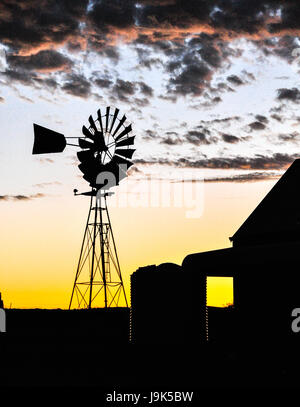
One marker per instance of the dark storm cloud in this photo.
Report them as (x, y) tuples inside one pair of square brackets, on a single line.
[(290, 17), (292, 94), (112, 13), (77, 85), (178, 13), (243, 16), (43, 60), (34, 29), (53, 22), (29, 24)]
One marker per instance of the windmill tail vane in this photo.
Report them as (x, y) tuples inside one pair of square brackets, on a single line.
[(104, 156)]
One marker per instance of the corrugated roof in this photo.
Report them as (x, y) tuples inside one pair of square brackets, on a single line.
[(277, 217)]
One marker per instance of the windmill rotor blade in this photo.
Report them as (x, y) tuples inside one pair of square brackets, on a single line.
[(47, 141), (114, 168), (85, 155), (93, 124), (119, 125), (87, 133), (129, 141), (107, 118), (124, 132), (90, 168), (87, 178), (100, 119), (100, 136), (125, 152), (117, 161), (85, 143), (114, 119)]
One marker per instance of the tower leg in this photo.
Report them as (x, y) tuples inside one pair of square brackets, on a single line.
[(98, 280)]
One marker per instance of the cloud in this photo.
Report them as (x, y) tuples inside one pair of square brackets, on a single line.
[(276, 161), (171, 141), (277, 117), (190, 79), (44, 160), (235, 80), (35, 31), (29, 25), (145, 89), (257, 126), (293, 137), (21, 197), (46, 184), (49, 60), (122, 89), (150, 134), (221, 120), (261, 118), (77, 85), (288, 94), (112, 13), (228, 138), (112, 53), (197, 138), (23, 77), (290, 18), (249, 177)]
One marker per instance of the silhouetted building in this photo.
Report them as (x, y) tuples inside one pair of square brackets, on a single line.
[(170, 304), (277, 218), (165, 306)]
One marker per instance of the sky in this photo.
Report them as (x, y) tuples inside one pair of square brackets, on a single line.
[(211, 88)]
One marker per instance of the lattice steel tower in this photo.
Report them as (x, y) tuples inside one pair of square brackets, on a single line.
[(98, 272)]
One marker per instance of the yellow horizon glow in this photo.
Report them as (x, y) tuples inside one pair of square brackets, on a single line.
[(41, 240)]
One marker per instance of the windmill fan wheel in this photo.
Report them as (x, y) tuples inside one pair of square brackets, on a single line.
[(105, 147)]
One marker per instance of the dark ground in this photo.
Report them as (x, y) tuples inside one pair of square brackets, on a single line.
[(91, 348)]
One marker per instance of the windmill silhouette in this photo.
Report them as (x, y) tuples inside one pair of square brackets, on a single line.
[(104, 157)]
